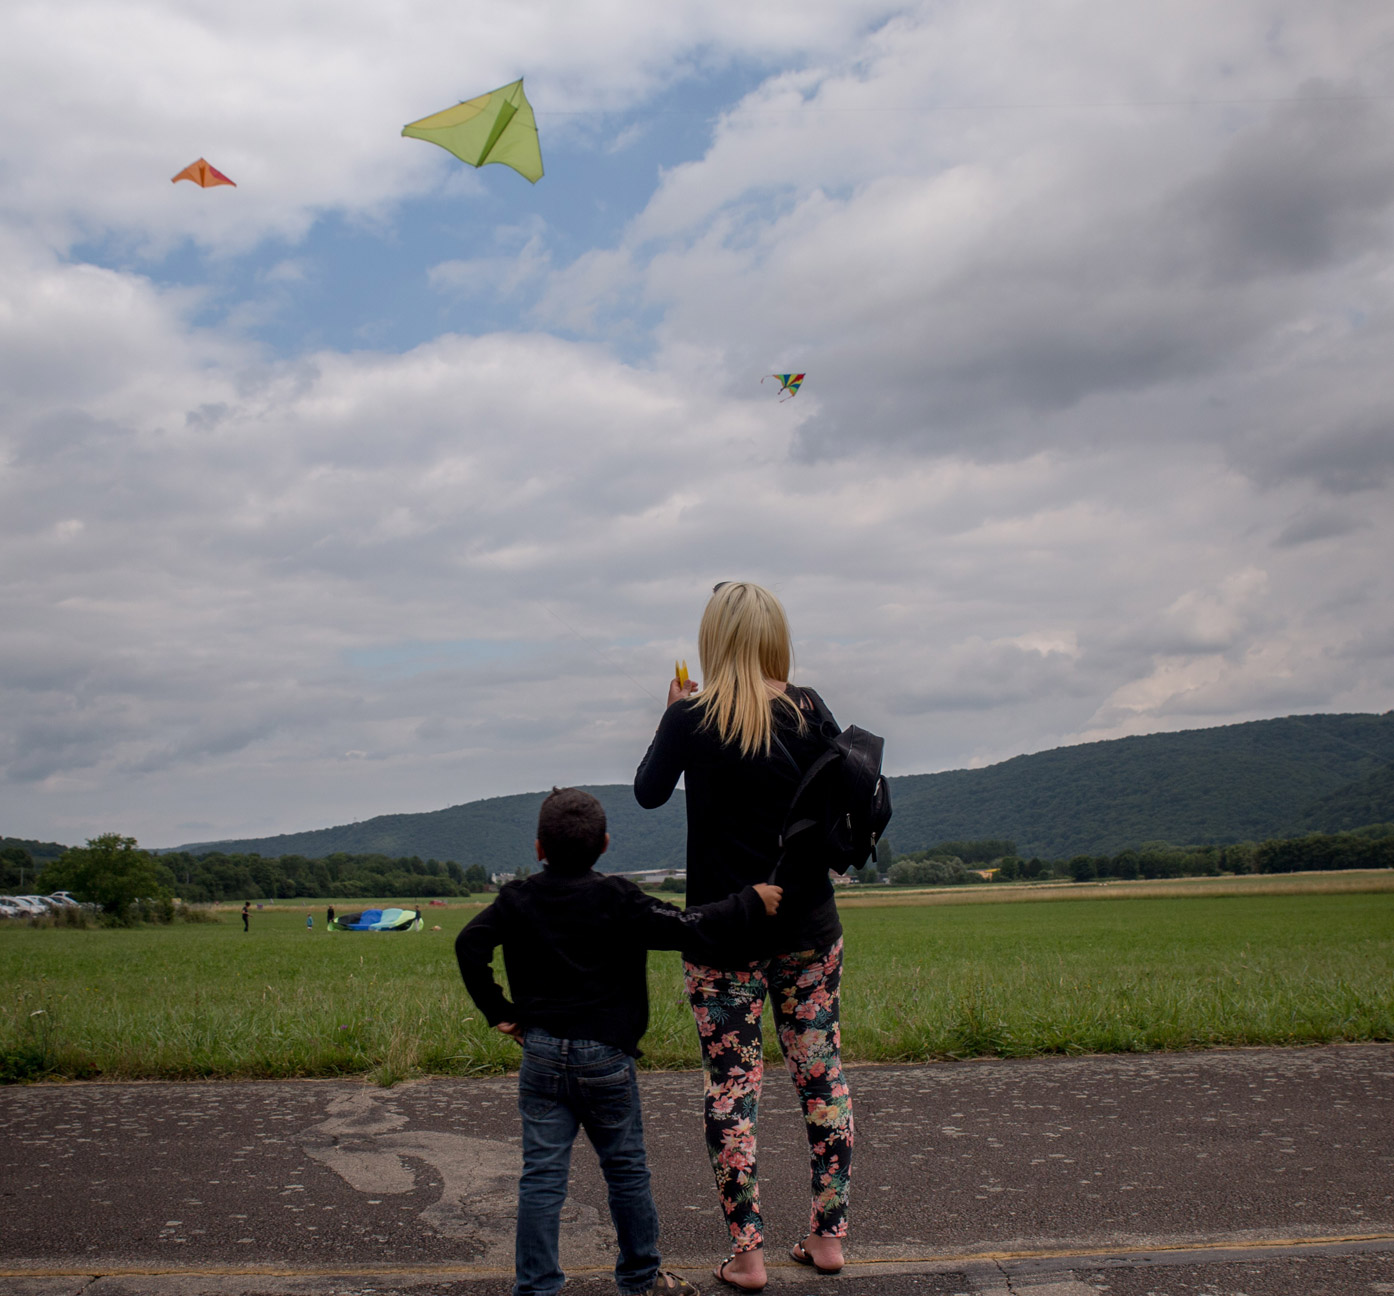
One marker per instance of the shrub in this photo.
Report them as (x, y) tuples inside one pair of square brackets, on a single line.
[(67, 916), (910, 870), (187, 913)]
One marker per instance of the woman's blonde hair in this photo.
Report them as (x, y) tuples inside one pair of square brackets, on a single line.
[(743, 641)]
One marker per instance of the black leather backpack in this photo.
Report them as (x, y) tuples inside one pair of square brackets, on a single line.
[(842, 804)]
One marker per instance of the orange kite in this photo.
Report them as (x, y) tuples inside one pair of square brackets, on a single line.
[(203, 175)]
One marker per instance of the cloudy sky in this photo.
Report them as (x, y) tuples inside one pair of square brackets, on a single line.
[(379, 484)]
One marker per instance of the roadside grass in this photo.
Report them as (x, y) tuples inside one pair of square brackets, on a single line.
[(1130, 971), (1123, 975)]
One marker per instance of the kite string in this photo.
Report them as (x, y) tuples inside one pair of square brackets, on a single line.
[(596, 650), (809, 109)]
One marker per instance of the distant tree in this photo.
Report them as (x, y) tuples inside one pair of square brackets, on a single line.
[(16, 868), (1009, 870), (1204, 861), (1239, 858), (111, 871), (885, 856), (674, 885), (1125, 864), (909, 872), (474, 877), (1083, 868), (1160, 860)]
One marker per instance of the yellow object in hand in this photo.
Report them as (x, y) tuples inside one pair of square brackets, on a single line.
[(680, 670)]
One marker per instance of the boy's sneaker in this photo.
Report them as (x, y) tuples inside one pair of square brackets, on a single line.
[(669, 1284)]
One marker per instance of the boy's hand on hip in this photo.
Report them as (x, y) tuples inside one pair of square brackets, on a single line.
[(771, 895), (511, 1029)]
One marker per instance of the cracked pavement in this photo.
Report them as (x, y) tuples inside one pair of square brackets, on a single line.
[(1228, 1173)]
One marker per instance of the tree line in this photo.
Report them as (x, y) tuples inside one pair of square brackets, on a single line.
[(1366, 848), (965, 862), (113, 872), (219, 876)]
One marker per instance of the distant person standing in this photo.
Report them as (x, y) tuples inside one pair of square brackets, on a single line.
[(310, 921), (246, 915), (329, 917)]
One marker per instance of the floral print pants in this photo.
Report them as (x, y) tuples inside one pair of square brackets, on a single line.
[(728, 1005)]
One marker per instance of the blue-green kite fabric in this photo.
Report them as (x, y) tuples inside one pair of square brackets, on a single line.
[(495, 127), (379, 920)]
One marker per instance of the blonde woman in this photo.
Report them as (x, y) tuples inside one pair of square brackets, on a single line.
[(742, 744)]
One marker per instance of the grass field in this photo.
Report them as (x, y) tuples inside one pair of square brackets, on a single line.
[(1349, 882), (1291, 960)]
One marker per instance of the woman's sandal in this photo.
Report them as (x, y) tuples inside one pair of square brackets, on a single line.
[(719, 1273), (799, 1256)]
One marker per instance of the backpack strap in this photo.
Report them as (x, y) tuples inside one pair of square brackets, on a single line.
[(821, 711), (825, 725), (787, 754), (802, 825)]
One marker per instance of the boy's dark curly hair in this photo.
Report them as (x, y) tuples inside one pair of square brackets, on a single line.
[(571, 828)]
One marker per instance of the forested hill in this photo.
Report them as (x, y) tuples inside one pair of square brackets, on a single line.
[(496, 833), (1244, 782), (1369, 800)]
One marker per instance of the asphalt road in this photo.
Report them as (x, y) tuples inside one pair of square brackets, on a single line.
[(1229, 1173)]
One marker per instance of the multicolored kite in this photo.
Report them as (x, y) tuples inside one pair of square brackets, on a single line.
[(379, 920), (496, 127), (787, 382), (203, 175)]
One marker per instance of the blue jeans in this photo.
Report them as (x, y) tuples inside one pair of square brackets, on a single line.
[(565, 1086)]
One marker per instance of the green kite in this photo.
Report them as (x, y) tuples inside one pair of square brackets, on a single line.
[(496, 127)]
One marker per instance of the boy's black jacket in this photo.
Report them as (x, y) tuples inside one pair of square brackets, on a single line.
[(575, 951)]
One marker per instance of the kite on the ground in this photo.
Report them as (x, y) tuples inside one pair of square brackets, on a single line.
[(203, 175), (379, 920), (787, 382), (496, 127)]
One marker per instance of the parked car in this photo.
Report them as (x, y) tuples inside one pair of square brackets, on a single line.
[(8, 910), (62, 900), (37, 904), (23, 907)]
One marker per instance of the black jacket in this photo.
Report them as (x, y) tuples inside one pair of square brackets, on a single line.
[(575, 950), (735, 809)]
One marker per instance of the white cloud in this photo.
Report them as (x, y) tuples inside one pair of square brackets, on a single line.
[(302, 104), (1094, 438), (522, 260)]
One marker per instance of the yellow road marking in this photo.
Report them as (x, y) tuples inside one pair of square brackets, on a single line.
[(466, 1272), (1161, 1248)]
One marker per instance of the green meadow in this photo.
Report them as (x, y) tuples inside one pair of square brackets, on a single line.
[(1107, 970)]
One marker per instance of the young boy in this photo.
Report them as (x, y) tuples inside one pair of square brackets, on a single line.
[(574, 946)]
